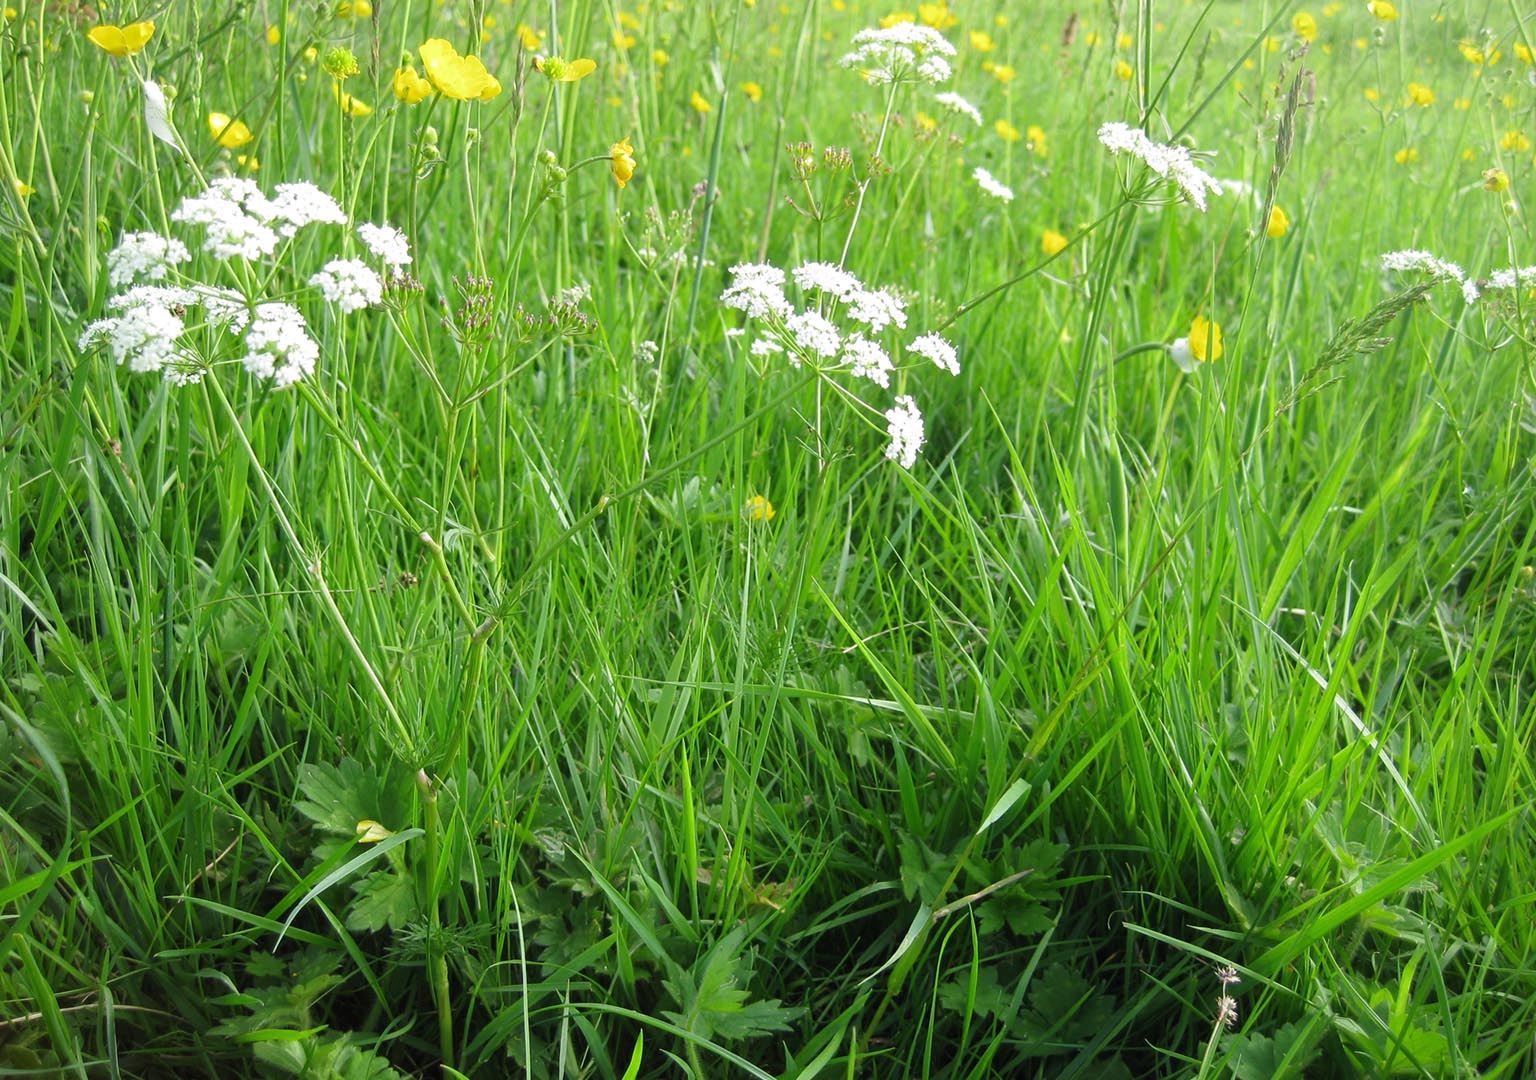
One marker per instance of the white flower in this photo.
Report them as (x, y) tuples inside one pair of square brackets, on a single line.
[(991, 185), (1511, 278), (350, 284), (941, 352), (233, 213), (157, 116), (1470, 292), (1182, 355), (827, 278), (1410, 261), (162, 296), (143, 337), (144, 255), (297, 205), (1172, 162), (224, 308), (814, 333), (278, 345), (905, 52), (957, 104), (904, 424), (387, 242), (867, 360), (877, 309), (768, 347), (758, 290)]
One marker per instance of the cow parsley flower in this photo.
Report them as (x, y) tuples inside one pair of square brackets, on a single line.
[(957, 104), (387, 242), (758, 290), (142, 338), (814, 333), (297, 205), (941, 352), (904, 424), (144, 255), (1170, 161), (1411, 261), (233, 213), (991, 185), (877, 309), (826, 278), (904, 52), (350, 284), (867, 360), (1513, 278), (278, 345)]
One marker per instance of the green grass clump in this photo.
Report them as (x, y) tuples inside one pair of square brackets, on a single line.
[(552, 683)]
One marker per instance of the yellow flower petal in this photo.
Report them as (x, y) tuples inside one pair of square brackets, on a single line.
[(1205, 339), (121, 40), (228, 132), (622, 156)]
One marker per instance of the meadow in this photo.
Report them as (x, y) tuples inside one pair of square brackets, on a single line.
[(768, 539)]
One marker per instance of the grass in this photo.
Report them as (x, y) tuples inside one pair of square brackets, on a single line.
[(982, 768)]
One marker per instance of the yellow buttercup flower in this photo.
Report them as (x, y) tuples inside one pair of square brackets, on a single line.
[(1004, 73), (122, 40), (937, 16), (982, 41), (621, 40), (1496, 180), (1205, 339), (462, 78), (228, 132), (529, 37), (1123, 71), (758, 508), (1419, 94), (1052, 242), (622, 160), (560, 70), (1382, 9), (752, 90), (1279, 223), (22, 188), (1034, 135), (1007, 131), (1305, 25), (699, 103), (1516, 142), (410, 87), (349, 104), (1407, 155)]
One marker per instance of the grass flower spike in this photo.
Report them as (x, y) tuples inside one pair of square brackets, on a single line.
[(124, 40)]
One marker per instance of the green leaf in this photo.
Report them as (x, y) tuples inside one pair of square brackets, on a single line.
[(384, 899)]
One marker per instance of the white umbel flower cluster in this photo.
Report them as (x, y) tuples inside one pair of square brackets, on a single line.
[(350, 284), (144, 256), (904, 424), (149, 328), (1170, 161), (239, 219), (905, 52), (278, 345), (1417, 261), (941, 352), (837, 332), (387, 242), (957, 104), (992, 185)]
